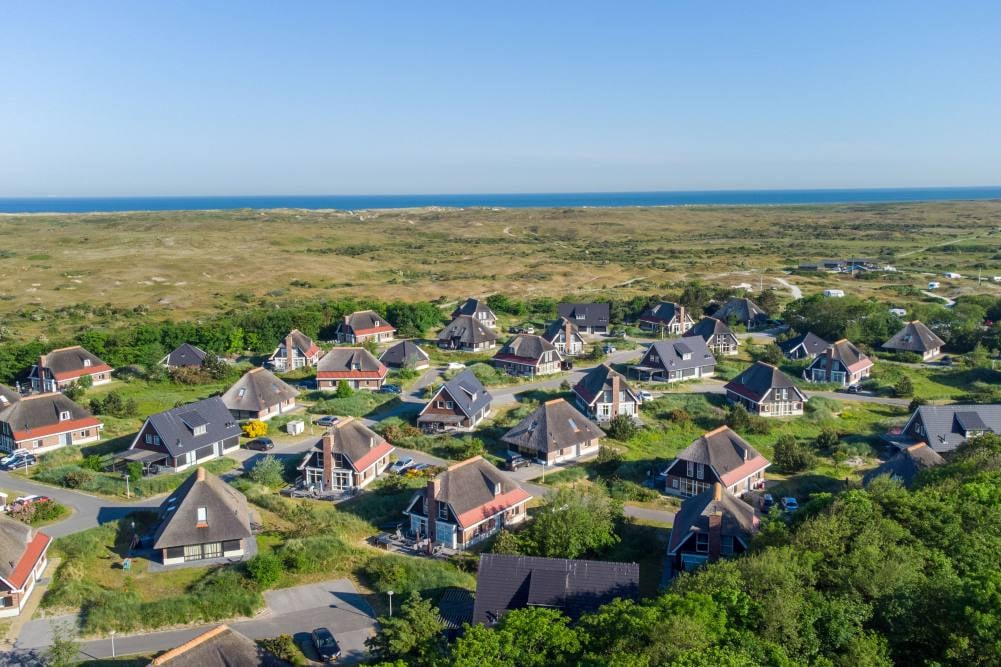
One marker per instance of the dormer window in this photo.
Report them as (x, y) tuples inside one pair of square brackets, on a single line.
[(242, 392), (198, 430), (203, 517), (580, 316), (686, 356), (86, 363), (64, 415), (355, 366), (377, 323), (497, 488)]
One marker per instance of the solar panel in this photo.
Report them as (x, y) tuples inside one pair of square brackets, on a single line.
[(193, 419)]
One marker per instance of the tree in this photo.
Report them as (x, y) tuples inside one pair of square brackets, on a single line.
[(64, 649), (265, 569), (904, 387), (772, 354), (695, 296), (621, 427), (768, 299), (915, 404), (268, 472), (531, 637), (737, 417), (344, 390), (506, 543), (413, 634), (371, 346), (827, 439), (790, 456), (572, 523), (254, 428)]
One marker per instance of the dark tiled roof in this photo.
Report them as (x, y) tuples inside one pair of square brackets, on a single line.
[(176, 426), (722, 449), (558, 325), (471, 306), (906, 464), (594, 314), (8, 396), (467, 391), (758, 378), (504, 583), (671, 354), (708, 327), (39, 411), (526, 346), (227, 517), (665, 311), (741, 310), (844, 351), (553, 425), (597, 380), (185, 354), (466, 330), (945, 425), (343, 359), (455, 607), (358, 442), (914, 337), (738, 518), (812, 343), (470, 484), (219, 647), (403, 354), (362, 321), (258, 389)]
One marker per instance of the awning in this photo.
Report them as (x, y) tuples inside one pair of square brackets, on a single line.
[(141, 455), (440, 419)]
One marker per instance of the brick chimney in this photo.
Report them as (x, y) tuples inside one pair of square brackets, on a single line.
[(568, 334), (431, 493), (328, 461), (289, 352), (716, 525), (200, 474), (681, 318), (41, 373), (616, 390)]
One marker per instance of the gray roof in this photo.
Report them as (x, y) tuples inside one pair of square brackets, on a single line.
[(404, 353), (343, 359), (575, 587), (526, 346), (353, 439), (470, 484), (466, 330), (227, 516), (844, 351), (671, 354), (812, 344), (362, 320), (471, 306), (8, 396), (185, 354), (741, 310), (14, 540), (708, 327), (597, 380), (914, 337), (722, 449), (906, 464), (758, 378), (554, 328), (665, 311), (553, 425), (467, 391), (300, 341), (70, 359), (258, 389), (176, 426), (40, 410), (593, 314), (221, 646), (738, 518), (946, 426)]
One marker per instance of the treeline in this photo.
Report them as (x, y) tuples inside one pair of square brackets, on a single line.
[(868, 578)]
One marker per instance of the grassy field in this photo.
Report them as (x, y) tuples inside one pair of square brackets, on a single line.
[(190, 263)]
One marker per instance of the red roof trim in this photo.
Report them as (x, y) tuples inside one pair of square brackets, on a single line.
[(80, 372), (61, 427), (503, 502), (373, 455), (361, 375), (32, 554), (745, 470), (373, 330)]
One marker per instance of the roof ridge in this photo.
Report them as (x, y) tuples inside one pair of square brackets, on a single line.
[(190, 644), (63, 349), (916, 445), (719, 429), (43, 395), (345, 420), (454, 466)]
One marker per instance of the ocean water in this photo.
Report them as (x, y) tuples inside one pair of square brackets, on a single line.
[(558, 199)]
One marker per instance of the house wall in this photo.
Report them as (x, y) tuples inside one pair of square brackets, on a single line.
[(570, 453), (724, 345), (528, 368), (13, 601), (767, 408), (330, 384), (52, 441)]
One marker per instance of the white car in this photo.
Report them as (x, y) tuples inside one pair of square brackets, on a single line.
[(455, 366), (645, 396), (401, 466)]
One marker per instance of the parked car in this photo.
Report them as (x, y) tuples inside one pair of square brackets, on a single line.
[(401, 465), (390, 389), (515, 330), (420, 467), (18, 459), (261, 444), (529, 330), (789, 504), (455, 366), (326, 646), (769, 501), (513, 461), (28, 500), (645, 396), (854, 388), (326, 421), (946, 360)]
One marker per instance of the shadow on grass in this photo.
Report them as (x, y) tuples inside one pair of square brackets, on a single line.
[(802, 486)]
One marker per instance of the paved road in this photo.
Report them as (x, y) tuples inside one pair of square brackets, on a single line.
[(716, 387), (949, 303), (336, 605)]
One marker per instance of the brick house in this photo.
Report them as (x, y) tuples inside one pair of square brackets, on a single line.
[(712, 525), (23, 559), (185, 436), (60, 368), (717, 456), (665, 319), (565, 337), (347, 458), (841, 363), (459, 404), (468, 503), (297, 350), (354, 365), (766, 391), (555, 432), (467, 334), (43, 422), (603, 394), (259, 394), (528, 354), (718, 337), (364, 325), (676, 360)]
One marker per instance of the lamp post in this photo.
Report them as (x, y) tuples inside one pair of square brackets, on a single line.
[(128, 492), (390, 594), (113, 644)]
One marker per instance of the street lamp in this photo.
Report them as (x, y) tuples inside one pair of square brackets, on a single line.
[(390, 594), (128, 493), (112, 643)]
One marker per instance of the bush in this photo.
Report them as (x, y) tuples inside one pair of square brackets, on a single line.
[(790, 456), (265, 569), (915, 404), (135, 471), (827, 439), (269, 472), (282, 647), (344, 390), (621, 427), (115, 405), (255, 428), (74, 479), (904, 387), (92, 462)]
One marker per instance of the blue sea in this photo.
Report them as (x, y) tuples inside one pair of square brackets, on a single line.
[(534, 200)]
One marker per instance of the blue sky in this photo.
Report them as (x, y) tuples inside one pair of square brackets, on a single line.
[(134, 98)]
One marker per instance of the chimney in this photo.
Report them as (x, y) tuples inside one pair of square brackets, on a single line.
[(41, 373), (328, 461), (681, 319), (616, 389), (718, 488), (289, 352), (568, 334), (200, 474)]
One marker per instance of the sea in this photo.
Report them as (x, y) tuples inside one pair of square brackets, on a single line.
[(509, 200)]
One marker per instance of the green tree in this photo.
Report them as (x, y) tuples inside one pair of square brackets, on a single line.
[(506, 543), (413, 634), (265, 569), (269, 472), (64, 649), (572, 523), (904, 387), (827, 439), (737, 417), (531, 637), (344, 390), (621, 427), (790, 456)]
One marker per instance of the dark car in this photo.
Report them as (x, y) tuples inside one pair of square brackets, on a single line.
[(19, 459), (515, 461), (390, 389), (854, 388), (261, 444), (325, 644)]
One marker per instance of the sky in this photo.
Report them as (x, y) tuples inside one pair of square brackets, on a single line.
[(202, 98)]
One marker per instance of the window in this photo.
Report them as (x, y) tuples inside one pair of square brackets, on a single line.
[(198, 430), (86, 363), (674, 483), (727, 548), (38, 443), (700, 471), (242, 392), (213, 550), (203, 515), (691, 469), (702, 543), (64, 415), (443, 511)]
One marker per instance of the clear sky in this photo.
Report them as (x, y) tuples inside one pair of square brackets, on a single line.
[(146, 98)]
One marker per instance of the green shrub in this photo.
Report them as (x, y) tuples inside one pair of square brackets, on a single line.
[(791, 457), (282, 647), (269, 472), (401, 574), (621, 427), (904, 387), (265, 569)]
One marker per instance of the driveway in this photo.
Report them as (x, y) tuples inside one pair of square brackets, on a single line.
[(336, 605)]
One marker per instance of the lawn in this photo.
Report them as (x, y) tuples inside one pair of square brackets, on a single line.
[(932, 382), (152, 397), (359, 404)]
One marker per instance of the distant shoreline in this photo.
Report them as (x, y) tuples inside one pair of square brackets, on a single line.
[(345, 203)]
